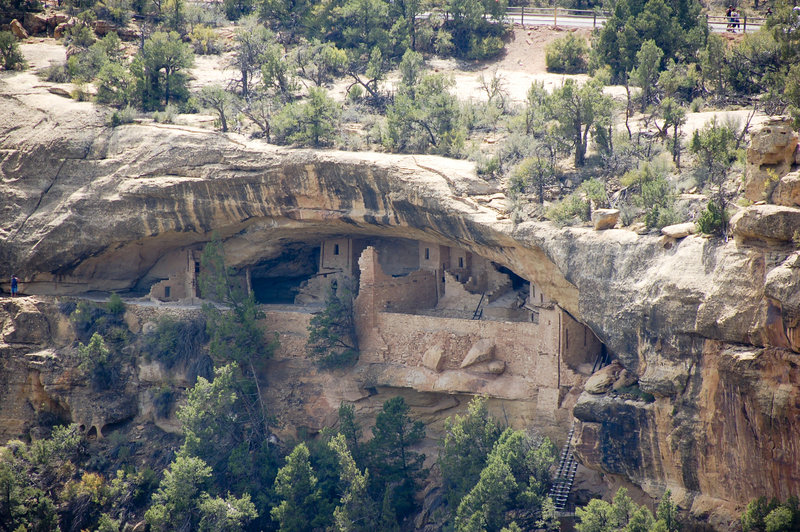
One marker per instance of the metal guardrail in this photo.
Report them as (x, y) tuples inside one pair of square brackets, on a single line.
[(741, 23), (535, 14), (592, 18)]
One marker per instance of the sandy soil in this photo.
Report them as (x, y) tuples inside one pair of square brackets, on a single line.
[(522, 63)]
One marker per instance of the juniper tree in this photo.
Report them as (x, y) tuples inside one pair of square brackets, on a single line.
[(395, 468), (332, 339)]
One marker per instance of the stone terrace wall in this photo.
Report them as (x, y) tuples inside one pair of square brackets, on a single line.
[(529, 350)]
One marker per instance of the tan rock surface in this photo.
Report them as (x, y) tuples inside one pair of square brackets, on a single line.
[(787, 191), (600, 382), (481, 351), (18, 30), (771, 153), (656, 309), (605, 218), (766, 222), (434, 358), (679, 230)]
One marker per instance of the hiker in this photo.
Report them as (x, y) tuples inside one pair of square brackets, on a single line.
[(14, 285), (735, 19), (729, 17)]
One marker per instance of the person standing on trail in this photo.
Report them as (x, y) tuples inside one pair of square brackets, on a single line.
[(729, 17), (735, 19), (14, 285)]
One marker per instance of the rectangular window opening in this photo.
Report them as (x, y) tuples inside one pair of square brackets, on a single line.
[(336, 249), (167, 291)]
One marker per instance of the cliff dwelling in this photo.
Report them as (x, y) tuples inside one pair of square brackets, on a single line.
[(429, 316)]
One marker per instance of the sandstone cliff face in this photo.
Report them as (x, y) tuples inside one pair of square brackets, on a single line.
[(89, 207)]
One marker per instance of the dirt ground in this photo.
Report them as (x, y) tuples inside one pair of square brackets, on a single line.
[(522, 63)]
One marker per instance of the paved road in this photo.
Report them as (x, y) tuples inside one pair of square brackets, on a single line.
[(589, 21)]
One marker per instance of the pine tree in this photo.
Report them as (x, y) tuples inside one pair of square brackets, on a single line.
[(296, 486), (394, 465), (467, 442), (356, 511), (332, 339)]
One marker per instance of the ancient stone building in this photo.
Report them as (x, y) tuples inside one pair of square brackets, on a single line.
[(182, 282)]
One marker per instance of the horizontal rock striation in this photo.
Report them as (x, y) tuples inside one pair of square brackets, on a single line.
[(709, 327)]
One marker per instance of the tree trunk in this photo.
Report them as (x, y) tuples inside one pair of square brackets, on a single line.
[(676, 147), (260, 399), (579, 149), (628, 109), (222, 120), (166, 87)]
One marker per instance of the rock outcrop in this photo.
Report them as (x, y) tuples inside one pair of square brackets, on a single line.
[(771, 154), (709, 327)]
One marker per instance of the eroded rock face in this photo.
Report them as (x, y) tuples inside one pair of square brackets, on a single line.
[(728, 434), (770, 155), (767, 222), (787, 191), (89, 207)]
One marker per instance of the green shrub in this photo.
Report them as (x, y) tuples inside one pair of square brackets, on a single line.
[(485, 47), (444, 42), (117, 11), (595, 191), (355, 93), (661, 216), (489, 167), (90, 318), (80, 94), (10, 55), (55, 73), (570, 210), (310, 123), (95, 362), (79, 35), (204, 40), (122, 116), (713, 220), (176, 342), (332, 339), (637, 394), (115, 305), (567, 55), (167, 116)]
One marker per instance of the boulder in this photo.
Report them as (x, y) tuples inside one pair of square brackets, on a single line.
[(35, 23), (766, 222), (787, 191), (17, 29), (129, 33), (61, 29), (58, 91), (434, 358), (679, 230), (481, 351), (601, 381), (782, 284), (72, 50), (771, 152), (625, 379), (103, 27), (605, 218), (55, 19), (496, 367)]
